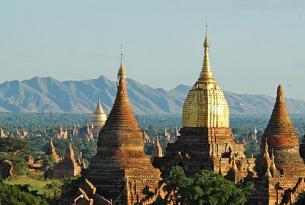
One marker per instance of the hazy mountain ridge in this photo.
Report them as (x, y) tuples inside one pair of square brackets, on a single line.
[(50, 95)]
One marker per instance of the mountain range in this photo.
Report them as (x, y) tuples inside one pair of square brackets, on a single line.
[(50, 95)]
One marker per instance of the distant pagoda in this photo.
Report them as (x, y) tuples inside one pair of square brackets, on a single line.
[(68, 167), (52, 152), (99, 116), (120, 170), (206, 141)]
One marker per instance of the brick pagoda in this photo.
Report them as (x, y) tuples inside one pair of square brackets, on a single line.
[(280, 168), (121, 170)]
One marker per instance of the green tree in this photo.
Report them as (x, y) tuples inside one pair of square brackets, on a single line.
[(205, 188), (13, 145), (19, 195), (14, 149), (53, 189)]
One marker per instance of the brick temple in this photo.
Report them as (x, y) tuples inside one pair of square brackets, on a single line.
[(206, 141), (121, 170), (68, 166), (280, 168)]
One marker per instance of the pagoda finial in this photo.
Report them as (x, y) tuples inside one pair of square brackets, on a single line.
[(280, 94), (122, 54), (122, 70), (206, 45), (206, 74)]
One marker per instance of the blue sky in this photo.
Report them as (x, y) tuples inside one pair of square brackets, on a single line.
[(255, 44)]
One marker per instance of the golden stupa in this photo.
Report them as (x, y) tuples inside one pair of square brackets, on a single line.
[(205, 105)]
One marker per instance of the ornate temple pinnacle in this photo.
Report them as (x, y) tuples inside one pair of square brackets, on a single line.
[(98, 106), (206, 74), (208, 108), (122, 69)]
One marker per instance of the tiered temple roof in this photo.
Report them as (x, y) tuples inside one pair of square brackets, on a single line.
[(282, 140), (280, 168), (121, 170)]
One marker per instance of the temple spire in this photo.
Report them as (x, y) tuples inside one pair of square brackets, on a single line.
[(122, 69), (206, 74), (98, 106)]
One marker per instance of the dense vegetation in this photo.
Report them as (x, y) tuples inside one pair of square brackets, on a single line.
[(204, 188), (19, 195), (14, 150)]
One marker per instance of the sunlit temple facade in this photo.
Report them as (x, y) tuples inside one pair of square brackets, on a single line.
[(121, 170)]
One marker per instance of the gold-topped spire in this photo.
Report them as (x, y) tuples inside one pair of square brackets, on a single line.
[(98, 106), (205, 105), (206, 74)]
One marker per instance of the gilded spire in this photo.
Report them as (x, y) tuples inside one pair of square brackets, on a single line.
[(206, 74), (205, 104), (99, 108)]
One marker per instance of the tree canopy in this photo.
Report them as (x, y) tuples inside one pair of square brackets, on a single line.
[(17, 195), (14, 150), (205, 188)]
